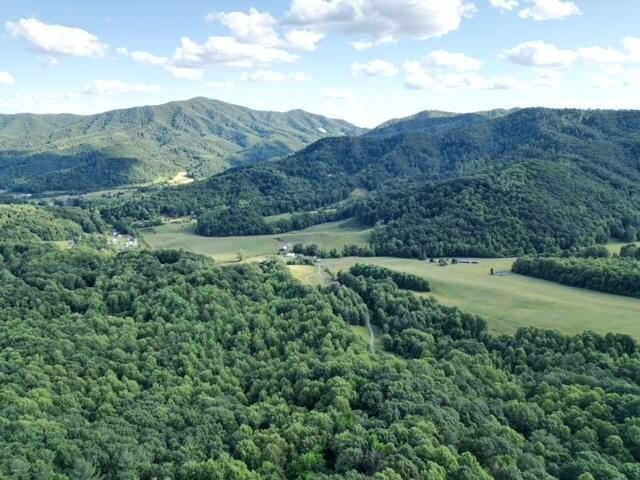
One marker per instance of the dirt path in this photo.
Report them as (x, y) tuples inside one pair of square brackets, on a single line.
[(372, 338)]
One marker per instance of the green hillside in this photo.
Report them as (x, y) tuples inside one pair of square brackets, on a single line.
[(503, 183), (144, 144)]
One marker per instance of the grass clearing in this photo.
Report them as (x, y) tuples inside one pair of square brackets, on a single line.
[(363, 333), (309, 274), (513, 301), (181, 178), (615, 246), (225, 249)]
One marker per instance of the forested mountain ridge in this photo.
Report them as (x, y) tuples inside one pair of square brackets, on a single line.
[(503, 159), (141, 144)]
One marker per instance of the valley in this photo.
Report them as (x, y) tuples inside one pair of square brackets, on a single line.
[(226, 249), (229, 312), (506, 302)]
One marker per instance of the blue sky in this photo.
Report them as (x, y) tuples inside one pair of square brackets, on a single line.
[(362, 60)]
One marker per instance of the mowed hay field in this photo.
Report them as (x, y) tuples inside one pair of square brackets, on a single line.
[(226, 249), (513, 301)]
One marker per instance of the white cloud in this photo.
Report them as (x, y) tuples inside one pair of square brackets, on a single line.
[(550, 10), (57, 39), (417, 78), (342, 94), (259, 28), (364, 45), (381, 18), (504, 4), (254, 27), (375, 68), (454, 61), (597, 54), (185, 73), (109, 87), (538, 53), (303, 39), (146, 58), (6, 78), (227, 51), (271, 76)]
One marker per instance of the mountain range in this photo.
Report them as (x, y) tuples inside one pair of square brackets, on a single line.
[(146, 144), (494, 183)]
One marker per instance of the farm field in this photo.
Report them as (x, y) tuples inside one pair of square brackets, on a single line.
[(513, 301), (226, 249)]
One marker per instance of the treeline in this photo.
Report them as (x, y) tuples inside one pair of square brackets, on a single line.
[(22, 223), (244, 220), (160, 364), (404, 280), (620, 276), (314, 250)]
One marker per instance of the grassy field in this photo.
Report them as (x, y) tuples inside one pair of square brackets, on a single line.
[(512, 301), (309, 274), (226, 249), (614, 247)]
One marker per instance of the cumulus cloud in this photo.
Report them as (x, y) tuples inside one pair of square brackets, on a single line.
[(453, 61), (227, 51), (365, 45), (271, 76), (598, 54), (6, 78), (378, 19), (504, 4), (56, 39), (550, 10), (252, 27), (146, 58), (342, 94), (538, 53), (303, 39), (418, 78), (607, 55), (375, 68), (253, 42), (259, 28), (109, 87)]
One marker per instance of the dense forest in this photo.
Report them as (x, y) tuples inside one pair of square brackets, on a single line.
[(23, 223), (447, 186), (619, 275), (161, 364), (527, 208)]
